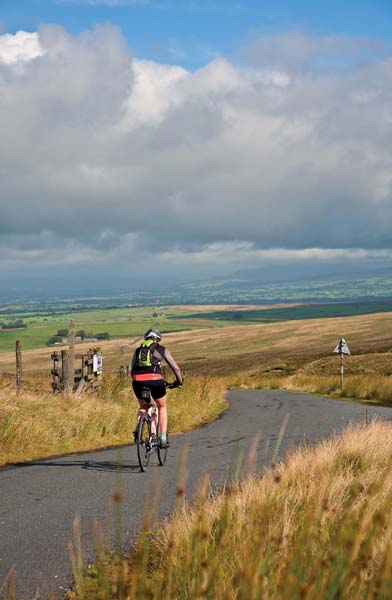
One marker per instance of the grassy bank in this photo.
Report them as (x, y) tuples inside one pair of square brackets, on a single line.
[(35, 425), (368, 388), (317, 526)]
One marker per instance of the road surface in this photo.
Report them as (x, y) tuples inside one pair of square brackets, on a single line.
[(39, 500)]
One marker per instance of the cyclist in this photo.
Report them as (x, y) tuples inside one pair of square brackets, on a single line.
[(146, 372)]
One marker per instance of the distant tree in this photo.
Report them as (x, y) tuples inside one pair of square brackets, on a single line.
[(62, 332), (81, 333), (103, 336), (53, 340), (18, 324)]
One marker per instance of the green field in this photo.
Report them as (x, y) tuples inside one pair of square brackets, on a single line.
[(121, 322)]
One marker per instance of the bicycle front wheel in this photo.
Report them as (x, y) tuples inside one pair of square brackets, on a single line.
[(143, 443)]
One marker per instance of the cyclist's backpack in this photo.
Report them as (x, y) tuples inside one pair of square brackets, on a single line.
[(145, 358)]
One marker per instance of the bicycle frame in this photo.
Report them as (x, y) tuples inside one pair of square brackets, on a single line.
[(153, 414), (147, 444)]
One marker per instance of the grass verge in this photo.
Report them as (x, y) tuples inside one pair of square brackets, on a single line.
[(37, 425), (366, 388), (317, 526)]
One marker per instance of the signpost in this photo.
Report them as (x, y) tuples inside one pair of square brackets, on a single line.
[(342, 349), (97, 362)]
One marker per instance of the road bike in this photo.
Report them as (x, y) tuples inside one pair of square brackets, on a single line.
[(147, 432)]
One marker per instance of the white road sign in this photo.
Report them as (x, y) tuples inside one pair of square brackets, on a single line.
[(342, 347)]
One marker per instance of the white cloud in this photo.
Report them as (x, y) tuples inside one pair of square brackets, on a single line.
[(23, 46), (246, 253), (228, 163), (154, 92)]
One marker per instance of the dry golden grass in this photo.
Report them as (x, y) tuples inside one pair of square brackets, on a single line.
[(40, 358), (217, 347), (372, 388), (318, 526), (315, 527), (359, 364), (367, 388), (292, 355), (309, 337), (36, 425), (367, 377)]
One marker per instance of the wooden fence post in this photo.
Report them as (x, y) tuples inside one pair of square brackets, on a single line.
[(18, 367), (65, 370), (71, 364), (56, 384)]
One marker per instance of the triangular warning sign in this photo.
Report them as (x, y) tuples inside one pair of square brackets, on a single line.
[(342, 347)]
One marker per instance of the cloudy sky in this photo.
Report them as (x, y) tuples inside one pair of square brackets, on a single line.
[(147, 140)]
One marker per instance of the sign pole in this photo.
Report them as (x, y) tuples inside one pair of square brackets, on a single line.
[(342, 371)]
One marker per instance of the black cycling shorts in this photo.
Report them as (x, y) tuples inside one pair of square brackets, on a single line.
[(157, 388)]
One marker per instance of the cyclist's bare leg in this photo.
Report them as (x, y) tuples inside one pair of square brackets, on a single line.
[(161, 403)]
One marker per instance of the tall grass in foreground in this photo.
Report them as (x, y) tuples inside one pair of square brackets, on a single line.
[(42, 424), (316, 527), (373, 388)]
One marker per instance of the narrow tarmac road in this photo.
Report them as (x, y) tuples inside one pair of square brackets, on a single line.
[(39, 500)]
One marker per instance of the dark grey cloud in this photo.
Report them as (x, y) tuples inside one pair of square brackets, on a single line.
[(103, 157)]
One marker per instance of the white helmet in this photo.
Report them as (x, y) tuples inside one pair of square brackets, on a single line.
[(153, 334)]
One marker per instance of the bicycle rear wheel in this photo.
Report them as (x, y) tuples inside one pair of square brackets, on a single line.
[(162, 452), (143, 442)]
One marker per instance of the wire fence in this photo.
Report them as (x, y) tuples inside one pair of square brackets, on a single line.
[(40, 380), (64, 371)]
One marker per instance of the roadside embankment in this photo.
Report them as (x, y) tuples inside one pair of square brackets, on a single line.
[(316, 526), (368, 388), (38, 425)]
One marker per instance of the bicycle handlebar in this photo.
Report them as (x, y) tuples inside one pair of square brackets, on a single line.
[(170, 385)]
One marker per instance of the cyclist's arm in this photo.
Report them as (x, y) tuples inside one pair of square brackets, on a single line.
[(133, 363), (173, 365)]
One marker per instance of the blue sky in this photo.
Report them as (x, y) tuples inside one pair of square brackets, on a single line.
[(192, 32)]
